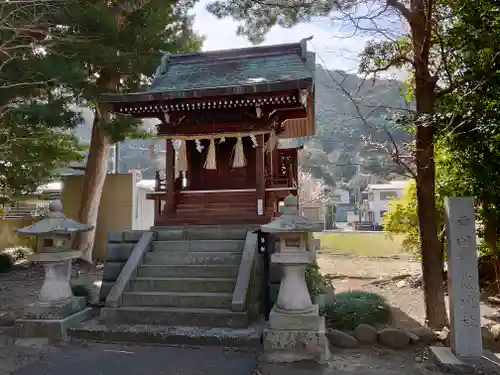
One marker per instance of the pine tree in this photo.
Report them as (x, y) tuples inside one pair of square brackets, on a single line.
[(35, 118), (124, 44)]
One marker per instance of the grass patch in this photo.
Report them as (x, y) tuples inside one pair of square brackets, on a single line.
[(376, 244), (350, 309)]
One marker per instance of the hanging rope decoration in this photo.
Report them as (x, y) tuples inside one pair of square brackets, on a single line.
[(239, 160), (211, 162), (271, 143), (181, 164)]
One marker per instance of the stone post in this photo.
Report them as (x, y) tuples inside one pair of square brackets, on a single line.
[(463, 280), (296, 331)]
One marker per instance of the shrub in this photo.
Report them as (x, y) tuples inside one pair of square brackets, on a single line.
[(81, 290), (316, 282), (6, 262), (19, 253), (350, 309)]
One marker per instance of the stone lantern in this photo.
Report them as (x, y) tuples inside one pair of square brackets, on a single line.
[(296, 331), (56, 303)]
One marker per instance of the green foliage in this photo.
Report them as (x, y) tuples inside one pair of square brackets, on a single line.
[(124, 44), (35, 116), (256, 18), (6, 262), (401, 218), (350, 309), (81, 290), (316, 282), (18, 253)]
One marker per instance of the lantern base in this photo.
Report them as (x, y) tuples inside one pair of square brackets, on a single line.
[(296, 337), (56, 309)]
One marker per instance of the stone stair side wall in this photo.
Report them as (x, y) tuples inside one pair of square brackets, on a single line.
[(120, 246), (248, 289)]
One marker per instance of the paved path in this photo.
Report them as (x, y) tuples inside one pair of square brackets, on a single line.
[(100, 359)]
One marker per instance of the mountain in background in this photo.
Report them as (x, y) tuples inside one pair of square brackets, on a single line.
[(337, 151)]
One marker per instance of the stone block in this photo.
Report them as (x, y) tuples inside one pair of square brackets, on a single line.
[(115, 236), (55, 310), (170, 235), (447, 361), (119, 252), (105, 289), (312, 321), (132, 235), (295, 345), (112, 270), (54, 329)]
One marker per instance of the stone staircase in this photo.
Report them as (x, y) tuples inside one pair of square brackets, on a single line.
[(184, 282)]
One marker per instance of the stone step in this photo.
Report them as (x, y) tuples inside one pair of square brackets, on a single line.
[(174, 316), (199, 257), (251, 220), (244, 338), (172, 284), (209, 232), (173, 299), (205, 271), (199, 245)]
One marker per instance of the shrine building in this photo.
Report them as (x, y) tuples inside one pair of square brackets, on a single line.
[(228, 112)]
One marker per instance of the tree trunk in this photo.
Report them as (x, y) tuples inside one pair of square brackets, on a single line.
[(425, 85), (93, 182), (435, 307)]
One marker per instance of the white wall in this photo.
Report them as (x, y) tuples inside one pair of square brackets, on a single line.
[(144, 213), (340, 196), (376, 204)]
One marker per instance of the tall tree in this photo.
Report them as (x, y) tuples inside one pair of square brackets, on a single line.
[(35, 118), (472, 104), (257, 17), (125, 42)]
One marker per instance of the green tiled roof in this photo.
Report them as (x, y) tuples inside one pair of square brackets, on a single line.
[(244, 67)]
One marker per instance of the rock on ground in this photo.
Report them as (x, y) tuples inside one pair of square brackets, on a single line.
[(341, 339), (365, 334), (394, 338)]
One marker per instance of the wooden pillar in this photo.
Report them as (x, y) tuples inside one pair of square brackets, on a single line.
[(260, 174), (170, 177)]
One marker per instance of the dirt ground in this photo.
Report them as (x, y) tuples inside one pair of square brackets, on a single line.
[(385, 276), (375, 274)]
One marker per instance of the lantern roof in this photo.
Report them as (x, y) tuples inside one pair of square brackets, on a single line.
[(290, 221), (54, 223)]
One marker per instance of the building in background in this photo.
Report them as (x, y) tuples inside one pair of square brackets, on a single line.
[(379, 195)]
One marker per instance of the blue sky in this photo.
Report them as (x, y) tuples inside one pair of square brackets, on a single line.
[(337, 52)]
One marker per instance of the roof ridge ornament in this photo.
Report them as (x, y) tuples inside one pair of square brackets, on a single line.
[(303, 47), (163, 67)]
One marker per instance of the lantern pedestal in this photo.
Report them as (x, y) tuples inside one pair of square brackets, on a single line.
[(296, 331), (56, 309)]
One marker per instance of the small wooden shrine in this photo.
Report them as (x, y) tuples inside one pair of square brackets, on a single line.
[(227, 113)]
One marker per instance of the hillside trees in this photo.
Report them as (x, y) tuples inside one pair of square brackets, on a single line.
[(125, 42), (35, 118)]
